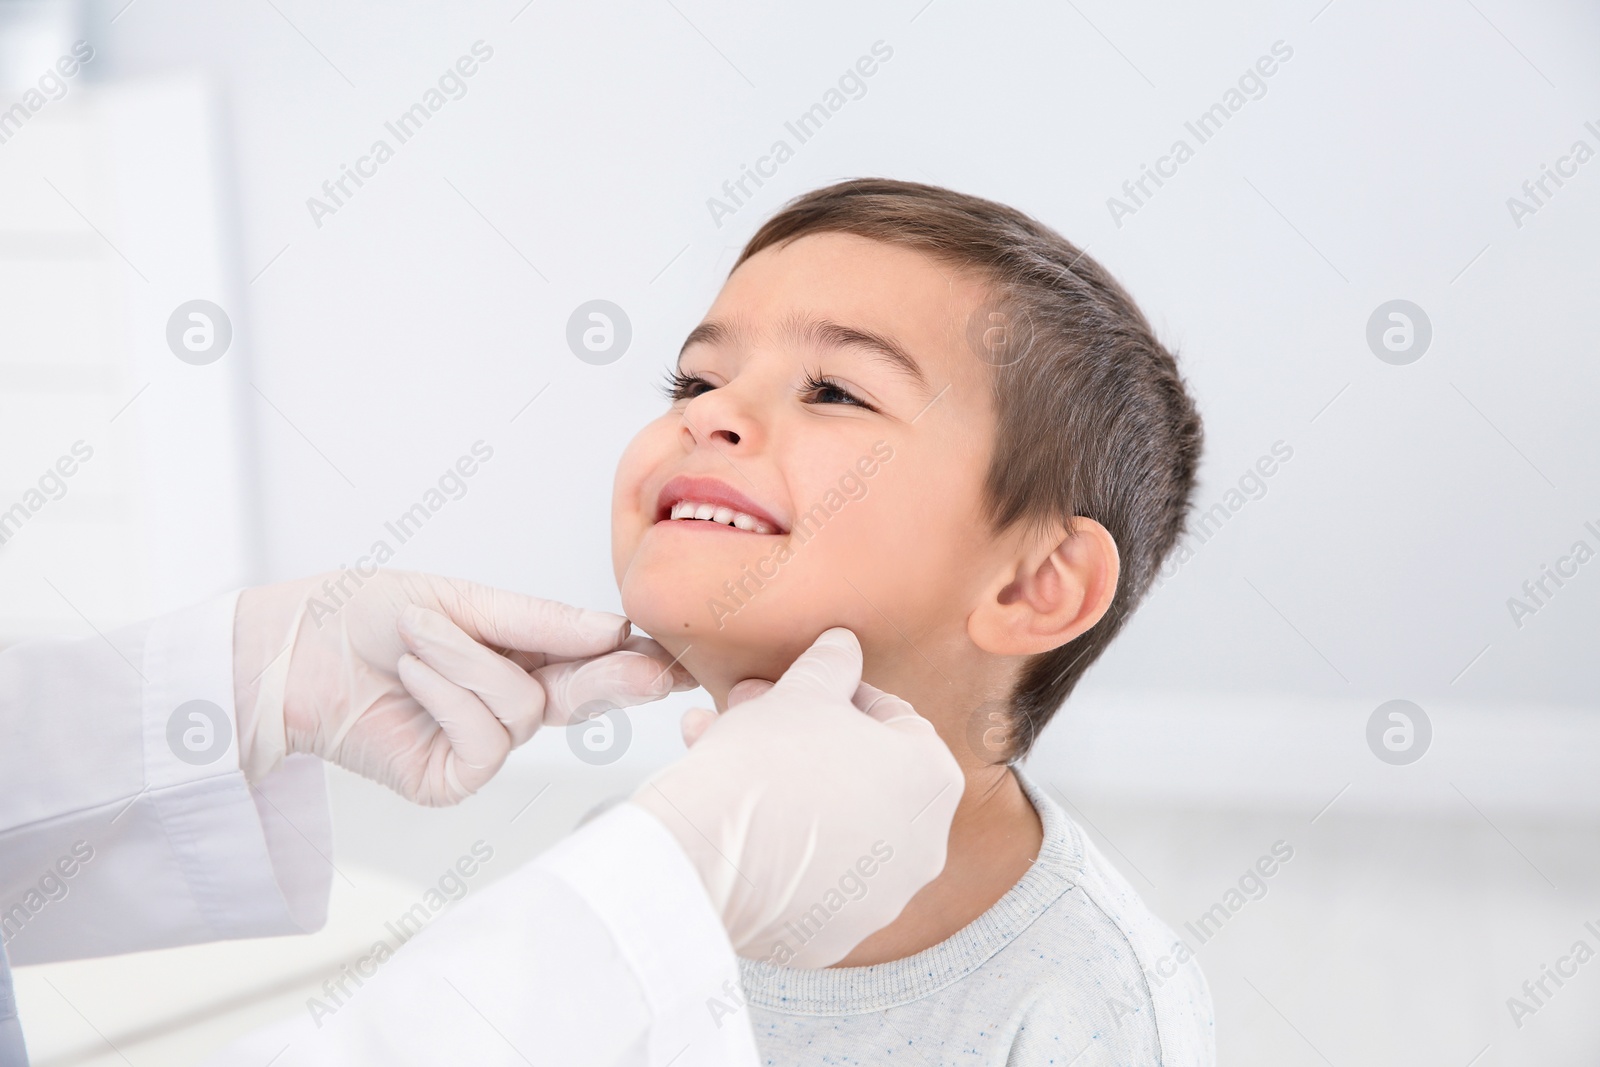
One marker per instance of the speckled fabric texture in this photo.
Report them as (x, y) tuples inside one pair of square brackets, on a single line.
[(1068, 968)]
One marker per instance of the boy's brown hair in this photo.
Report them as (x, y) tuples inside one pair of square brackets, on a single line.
[(1093, 417)]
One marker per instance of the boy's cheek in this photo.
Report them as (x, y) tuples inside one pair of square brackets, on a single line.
[(630, 516), (644, 454), (624, 540)]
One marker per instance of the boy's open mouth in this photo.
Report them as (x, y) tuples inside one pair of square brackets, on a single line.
[(709, 503)]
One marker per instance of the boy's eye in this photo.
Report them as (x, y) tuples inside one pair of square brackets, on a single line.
[(822, 391), (815, 390), (681, 386)]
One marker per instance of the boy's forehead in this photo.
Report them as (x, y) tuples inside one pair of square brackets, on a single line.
[(893, 293), (851, 269)]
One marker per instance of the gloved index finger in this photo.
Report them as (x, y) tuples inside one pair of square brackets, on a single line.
[(528, 624), (831, 667)]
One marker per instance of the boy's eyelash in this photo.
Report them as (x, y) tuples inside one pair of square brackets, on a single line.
[(815, 384), (680, 386)]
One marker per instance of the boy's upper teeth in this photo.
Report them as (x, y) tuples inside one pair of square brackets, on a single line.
[(692, 509)]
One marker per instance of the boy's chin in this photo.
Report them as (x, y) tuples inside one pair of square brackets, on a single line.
[(720, 646)]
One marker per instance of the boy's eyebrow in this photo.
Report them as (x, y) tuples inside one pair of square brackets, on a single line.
[(830, 334), (821, 332), (710, 332)]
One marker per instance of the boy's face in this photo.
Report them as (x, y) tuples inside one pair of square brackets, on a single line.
[(831, 397)]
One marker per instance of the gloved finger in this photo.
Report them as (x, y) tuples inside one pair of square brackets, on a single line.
[(618, 680), (517, 621), (898, 714), (681, 678), (516, 699), (478, 744), (885, 707), (695, 722), (831, 667), (680, 675), (748, 689)]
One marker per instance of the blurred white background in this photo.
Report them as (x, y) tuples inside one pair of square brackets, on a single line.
[(375, 344)]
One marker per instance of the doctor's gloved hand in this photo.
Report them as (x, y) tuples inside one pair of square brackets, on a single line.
[(423, 683), (814, 811)]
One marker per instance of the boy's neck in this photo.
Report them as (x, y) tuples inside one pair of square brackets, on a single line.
[(995, 834), (994, 839)]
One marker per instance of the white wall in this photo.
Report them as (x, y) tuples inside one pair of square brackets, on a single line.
[(1376, 166)]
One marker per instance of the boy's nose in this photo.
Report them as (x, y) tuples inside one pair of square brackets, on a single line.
[(720, 420), (694, 434)]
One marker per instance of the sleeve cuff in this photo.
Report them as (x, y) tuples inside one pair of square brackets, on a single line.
[(635, 877), (257, 860)]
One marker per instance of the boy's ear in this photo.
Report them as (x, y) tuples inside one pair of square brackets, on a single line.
[(1052, 589)]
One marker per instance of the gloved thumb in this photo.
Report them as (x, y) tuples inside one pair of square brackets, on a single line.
[(830, 668), (885, 707)]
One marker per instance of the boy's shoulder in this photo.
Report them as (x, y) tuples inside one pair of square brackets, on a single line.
[(1099, 950), (1070, 957)]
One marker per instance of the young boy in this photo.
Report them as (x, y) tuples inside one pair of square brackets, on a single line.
[(929, 418)]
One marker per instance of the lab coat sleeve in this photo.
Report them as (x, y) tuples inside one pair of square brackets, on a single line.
[(119, 833), (605, 951)]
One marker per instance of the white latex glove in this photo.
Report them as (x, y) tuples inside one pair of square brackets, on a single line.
[(813, 812), (393, 679)]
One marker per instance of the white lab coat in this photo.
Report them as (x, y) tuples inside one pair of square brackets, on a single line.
[(604, 950)]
